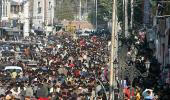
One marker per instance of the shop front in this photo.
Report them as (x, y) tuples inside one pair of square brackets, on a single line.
[(11, 33)]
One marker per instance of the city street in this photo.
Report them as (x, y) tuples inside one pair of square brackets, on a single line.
[(84, 50)]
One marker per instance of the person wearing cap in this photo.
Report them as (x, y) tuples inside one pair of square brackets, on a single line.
[(148, 93), (148, 96)]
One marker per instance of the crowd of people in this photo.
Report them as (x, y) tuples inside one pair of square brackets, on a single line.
[(66, 68), (70, 70)]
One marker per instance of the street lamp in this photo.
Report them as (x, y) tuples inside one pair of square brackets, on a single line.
[(147, 65), (96, 23)]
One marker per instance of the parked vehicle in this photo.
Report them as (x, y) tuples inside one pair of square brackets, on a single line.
[(11, 68)]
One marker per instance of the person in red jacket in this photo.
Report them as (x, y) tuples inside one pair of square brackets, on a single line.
[(43, 98)]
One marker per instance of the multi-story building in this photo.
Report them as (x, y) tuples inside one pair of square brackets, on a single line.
[(42, 14), (4, 12), (159, 35), (163, 46), (14, 18)]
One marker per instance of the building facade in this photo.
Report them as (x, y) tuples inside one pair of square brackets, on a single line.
[(162, 46), (159, 35), (14, 18), (4, 12), (42, 14)]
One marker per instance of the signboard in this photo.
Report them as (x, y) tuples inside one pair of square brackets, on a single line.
[(70, 28)]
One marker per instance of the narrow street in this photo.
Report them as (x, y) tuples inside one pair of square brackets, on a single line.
[(84, 50)]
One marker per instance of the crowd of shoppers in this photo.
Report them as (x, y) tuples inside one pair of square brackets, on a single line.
[(67, 71), (71, 69)]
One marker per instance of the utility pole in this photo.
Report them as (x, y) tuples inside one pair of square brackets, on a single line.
[(80, 17), (19, 4), (96, 15), (45, 16), (112, 69), (132, 12), (126, 17), (86, 7), (86, 10)]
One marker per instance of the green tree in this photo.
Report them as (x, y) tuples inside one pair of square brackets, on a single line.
[(120, 9), (154, 6), (166, 10), (64, 10), (68, 9), (138, 12), (104, 13)]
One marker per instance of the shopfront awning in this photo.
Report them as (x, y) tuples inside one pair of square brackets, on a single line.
[(11, 31)]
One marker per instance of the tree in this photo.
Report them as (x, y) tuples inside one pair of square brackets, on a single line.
[(154, 6), (68, 9), (165, 10), (64, 10), (138, 12), (104, 13)]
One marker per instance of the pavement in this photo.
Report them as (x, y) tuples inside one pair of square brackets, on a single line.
[(122, 65), (122, 60)]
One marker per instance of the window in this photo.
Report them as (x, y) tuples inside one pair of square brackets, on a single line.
[(3, 7), (6, 11), (49, 5), (39, 8), (38, 4)]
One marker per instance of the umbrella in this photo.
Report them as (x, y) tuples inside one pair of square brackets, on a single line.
[(145, 92)]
